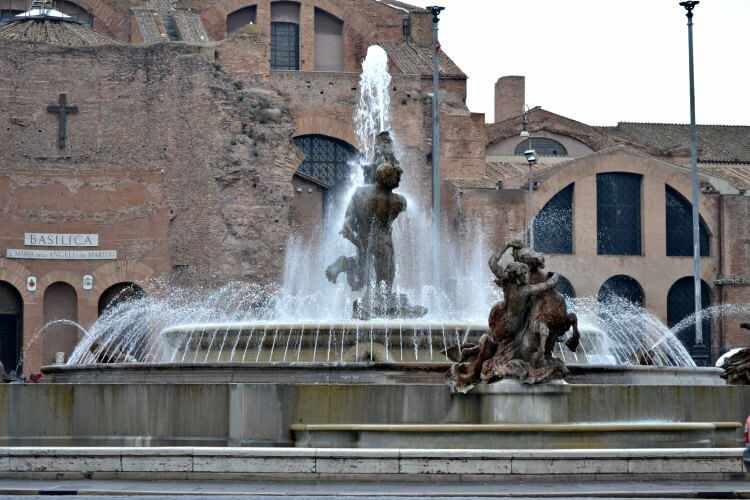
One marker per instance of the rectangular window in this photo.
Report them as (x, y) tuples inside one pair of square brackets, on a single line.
[(619, 214), (285, 46)]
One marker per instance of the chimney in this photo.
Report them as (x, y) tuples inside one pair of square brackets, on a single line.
[(510, 97)]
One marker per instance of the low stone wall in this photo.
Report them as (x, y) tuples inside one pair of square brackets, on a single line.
[(261, 414), (308, 463)]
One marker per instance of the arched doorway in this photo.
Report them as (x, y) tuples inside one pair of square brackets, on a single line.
[(11, 326), (119, 293), (680, 305), (60, 303), (622, 287)]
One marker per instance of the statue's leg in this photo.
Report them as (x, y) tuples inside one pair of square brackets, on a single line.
[(385, 268), (575, 340), (346, 265), (473, 369)]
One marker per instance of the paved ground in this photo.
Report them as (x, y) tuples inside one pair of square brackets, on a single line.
[(193, 497), (26, 489)]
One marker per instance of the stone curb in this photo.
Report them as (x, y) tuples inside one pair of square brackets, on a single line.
[(154, 462), (661, 494)]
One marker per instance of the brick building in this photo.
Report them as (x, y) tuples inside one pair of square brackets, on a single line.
[(188, 140)]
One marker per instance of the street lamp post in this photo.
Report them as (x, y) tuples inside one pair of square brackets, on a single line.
[(435, 11), (530, 155), (701, 349)]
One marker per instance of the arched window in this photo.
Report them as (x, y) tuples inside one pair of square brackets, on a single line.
[(565, 287), (680, 305), (618, 198), (329, 42), (240, 18), (622, 287), (553, 226), (680, 227), (11, 326), (60, 303), (76, 12), (543, 147), (118, 294), (285, 36), (326, 159)]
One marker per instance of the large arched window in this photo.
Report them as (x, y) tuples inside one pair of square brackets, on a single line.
[(329, 42), (11, 326), (622, 287), (76, 12), (680, 227), (680, 305), (618, 198), (118, 294), (543, 147), (553, 226), (240, 18), (60, 303), (285, 36)]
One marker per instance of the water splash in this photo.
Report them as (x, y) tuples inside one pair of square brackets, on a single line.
[(713, 313)]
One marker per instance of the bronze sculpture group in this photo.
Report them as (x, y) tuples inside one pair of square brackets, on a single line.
[(524, 328)]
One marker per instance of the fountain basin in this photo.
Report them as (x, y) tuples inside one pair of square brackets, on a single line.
[(211, 413), (353, 373)]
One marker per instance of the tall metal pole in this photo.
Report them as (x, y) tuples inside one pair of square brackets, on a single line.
[(531, 188), (436, 184), (689, 6)]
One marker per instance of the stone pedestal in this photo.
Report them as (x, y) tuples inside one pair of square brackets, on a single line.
[(510, 402)]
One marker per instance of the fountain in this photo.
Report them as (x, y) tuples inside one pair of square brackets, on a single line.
[(322, 349)]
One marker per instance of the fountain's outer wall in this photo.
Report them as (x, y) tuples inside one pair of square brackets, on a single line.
[(261, 414)]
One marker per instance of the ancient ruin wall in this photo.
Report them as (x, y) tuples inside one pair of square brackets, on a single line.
[(219, 150)]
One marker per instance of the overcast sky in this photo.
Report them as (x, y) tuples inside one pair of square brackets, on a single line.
[(604, 61)]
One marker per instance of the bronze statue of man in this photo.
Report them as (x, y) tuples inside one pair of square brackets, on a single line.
[(368, 225)]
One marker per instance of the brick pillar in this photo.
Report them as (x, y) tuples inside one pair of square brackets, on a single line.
[(263, 16), (33, 321), (654, 224), (307, 37), (584, 225)]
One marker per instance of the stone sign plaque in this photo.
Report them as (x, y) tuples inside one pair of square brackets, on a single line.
[(60, 240), (39, 254)]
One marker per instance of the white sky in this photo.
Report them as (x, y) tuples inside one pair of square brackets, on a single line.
[(604, 61)]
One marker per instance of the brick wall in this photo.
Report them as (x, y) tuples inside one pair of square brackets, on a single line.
[(169, 159)]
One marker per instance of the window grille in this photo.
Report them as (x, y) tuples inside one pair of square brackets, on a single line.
[(326, 159), (619, 214), (285, 46), (543, 147)]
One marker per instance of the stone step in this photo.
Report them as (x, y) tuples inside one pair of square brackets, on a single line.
[(465, 465), (521, 436)]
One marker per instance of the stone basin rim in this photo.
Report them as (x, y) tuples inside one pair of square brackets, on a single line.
[(307, 325), (363, 366)]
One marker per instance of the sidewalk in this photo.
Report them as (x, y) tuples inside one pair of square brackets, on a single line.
[(308, 489)]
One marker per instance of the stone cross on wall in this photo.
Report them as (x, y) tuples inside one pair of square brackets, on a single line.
[(62, 110)]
